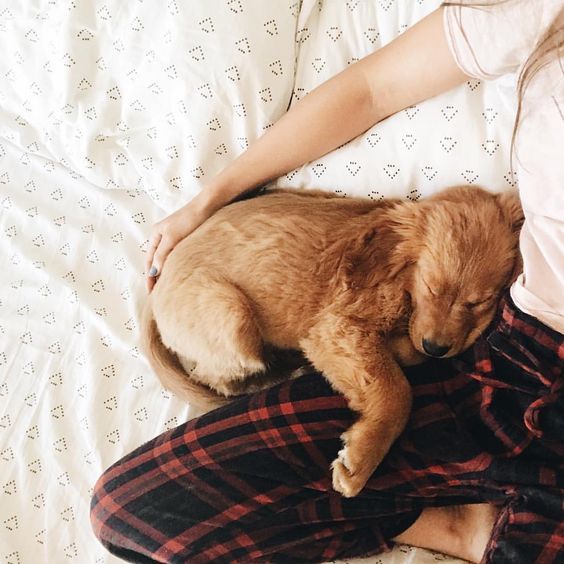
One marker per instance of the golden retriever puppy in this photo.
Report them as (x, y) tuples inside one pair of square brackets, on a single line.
[(358, 287)]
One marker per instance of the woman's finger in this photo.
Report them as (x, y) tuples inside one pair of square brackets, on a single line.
[(165, 246), (150, 282), (153, 245)]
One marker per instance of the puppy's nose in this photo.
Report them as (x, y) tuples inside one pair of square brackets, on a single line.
[(434, 349)]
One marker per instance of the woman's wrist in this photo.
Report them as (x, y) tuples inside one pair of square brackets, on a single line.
[(222, 190), (210, 199)]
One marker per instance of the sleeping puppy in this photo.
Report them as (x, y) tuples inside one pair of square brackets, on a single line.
[(360, 288)]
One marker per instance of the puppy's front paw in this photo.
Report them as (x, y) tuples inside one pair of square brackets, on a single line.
[(349, 477)]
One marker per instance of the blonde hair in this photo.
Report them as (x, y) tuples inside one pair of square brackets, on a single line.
[(548, 48)]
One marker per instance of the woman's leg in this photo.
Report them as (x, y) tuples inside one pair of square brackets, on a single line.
[(252, 480), (517, 420), (247, 481)]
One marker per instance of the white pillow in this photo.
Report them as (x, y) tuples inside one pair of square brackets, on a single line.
[(460, 137)]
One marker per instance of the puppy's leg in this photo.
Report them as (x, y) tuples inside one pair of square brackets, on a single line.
[(211, 323), (360, 367), (281, 365), (403, 350)]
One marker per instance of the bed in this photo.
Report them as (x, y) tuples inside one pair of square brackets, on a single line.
[(112, 115)]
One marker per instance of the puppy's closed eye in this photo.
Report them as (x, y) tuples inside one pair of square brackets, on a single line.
[(477, 303), (430, 289)]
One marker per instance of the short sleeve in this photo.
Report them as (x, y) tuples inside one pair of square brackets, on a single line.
[(493, 40)]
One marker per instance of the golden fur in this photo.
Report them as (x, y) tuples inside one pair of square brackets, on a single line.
[(353, 284)]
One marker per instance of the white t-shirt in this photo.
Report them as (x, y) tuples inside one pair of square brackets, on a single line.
[(494, 41)]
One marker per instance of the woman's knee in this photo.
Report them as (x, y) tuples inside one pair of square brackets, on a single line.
[(130, 505), (107, 509)]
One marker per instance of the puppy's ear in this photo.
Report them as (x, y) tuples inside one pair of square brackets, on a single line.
[(359, 257), (517, 269), (510, 205), (379, 250)]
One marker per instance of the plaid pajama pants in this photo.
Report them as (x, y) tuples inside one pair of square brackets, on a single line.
[(251, 481)]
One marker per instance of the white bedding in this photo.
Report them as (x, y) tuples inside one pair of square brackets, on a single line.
[(112, 114)]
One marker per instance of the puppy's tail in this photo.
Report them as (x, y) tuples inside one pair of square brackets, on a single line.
[(169, 369)]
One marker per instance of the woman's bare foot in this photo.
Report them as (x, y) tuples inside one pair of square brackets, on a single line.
[(462, 531)]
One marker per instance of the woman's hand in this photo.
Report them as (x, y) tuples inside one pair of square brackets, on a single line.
[(168, 232)]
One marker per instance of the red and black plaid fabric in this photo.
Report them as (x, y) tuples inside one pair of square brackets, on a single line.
[(251, 481)]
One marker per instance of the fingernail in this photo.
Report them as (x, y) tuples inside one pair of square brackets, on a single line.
[(153, 271)]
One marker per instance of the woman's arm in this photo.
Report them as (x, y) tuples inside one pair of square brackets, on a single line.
[(415, 66)]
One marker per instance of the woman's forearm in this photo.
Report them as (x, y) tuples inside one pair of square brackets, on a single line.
[(415, 66), (330, 115)]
